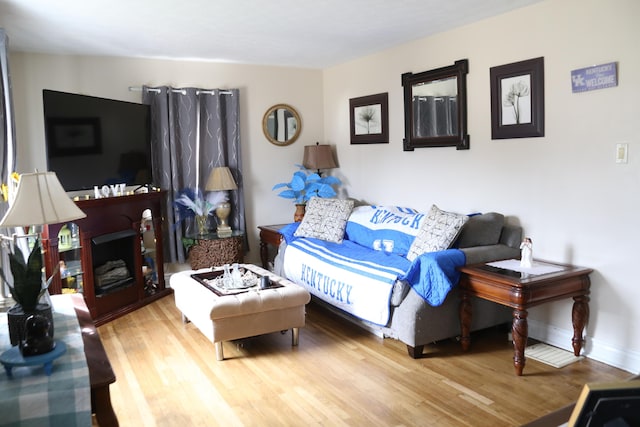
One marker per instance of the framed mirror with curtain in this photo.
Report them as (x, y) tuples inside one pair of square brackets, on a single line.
[(435, 107)]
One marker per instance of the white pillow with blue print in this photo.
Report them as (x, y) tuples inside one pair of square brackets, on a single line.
[(384, 228)]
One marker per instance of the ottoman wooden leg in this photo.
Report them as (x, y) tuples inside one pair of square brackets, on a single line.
[(295, 333), (219, 351)]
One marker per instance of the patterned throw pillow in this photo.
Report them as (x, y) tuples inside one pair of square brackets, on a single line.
[(438, 232), (325, 219)]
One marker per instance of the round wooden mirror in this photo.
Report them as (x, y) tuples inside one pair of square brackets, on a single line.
[(281, 124)]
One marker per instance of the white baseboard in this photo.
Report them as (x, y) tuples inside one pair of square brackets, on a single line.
[(624, 359)]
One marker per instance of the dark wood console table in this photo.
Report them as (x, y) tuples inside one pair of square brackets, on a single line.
[(522, 291)]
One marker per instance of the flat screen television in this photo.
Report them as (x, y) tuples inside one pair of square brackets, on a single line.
[(95, 141)]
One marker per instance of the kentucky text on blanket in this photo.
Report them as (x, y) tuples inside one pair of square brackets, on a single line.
[(385, 217), (339, 291)]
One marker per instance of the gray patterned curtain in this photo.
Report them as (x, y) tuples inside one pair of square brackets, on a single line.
[(7, 133), (192, 131)]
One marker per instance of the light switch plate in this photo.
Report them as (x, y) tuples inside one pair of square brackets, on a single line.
[(622, 149)]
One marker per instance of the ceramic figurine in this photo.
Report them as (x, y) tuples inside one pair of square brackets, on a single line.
[(526, 258)]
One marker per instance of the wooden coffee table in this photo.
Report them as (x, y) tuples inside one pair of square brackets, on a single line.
[(522, 291)]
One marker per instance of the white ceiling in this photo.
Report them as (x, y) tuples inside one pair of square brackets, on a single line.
[(301, 33)]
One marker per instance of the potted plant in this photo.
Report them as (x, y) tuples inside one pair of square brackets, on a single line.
[(28, 289), (304, 185), (190, 203)]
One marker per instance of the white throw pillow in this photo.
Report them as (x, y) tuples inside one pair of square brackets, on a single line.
[(325, 219), (438, 232)]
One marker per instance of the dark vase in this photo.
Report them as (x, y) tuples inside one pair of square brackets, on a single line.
[(37, 336), (16, 318)]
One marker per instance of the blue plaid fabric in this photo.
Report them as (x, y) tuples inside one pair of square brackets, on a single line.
[(31, 398)]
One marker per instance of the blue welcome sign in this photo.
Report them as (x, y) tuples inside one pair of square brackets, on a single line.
[(596, 77)]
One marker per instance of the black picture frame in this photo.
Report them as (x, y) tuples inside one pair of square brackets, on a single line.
[(76, 136), (517, 99), (369, 119)]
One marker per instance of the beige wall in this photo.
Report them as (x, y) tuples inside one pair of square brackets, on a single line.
[(260, 87), (575, 202)]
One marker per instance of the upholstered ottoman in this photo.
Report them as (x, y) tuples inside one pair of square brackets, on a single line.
[(247, 314)]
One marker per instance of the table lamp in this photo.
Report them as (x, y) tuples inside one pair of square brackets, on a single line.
[(221, 179), (318, 157), (40, 199)]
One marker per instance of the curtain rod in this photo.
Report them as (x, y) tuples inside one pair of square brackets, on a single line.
[(182, 91)]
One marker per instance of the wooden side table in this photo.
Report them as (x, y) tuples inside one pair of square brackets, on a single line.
[(211, 250), (522, 291), (269, 235)]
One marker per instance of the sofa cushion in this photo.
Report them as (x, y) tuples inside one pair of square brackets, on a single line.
[(386, 228), (325, 219), (481, 230), (438, 232)]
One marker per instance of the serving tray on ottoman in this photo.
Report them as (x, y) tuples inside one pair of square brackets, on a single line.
[(240, 315), (210, 279)]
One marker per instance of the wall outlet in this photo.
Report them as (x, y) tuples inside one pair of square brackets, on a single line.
[(622, 152)]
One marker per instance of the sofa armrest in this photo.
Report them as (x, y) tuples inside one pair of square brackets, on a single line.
[(478, 254), (507, 247), (278, 261), (511, 236)]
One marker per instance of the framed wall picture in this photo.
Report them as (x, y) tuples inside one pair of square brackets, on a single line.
[(74, 136), (517, 99), (369, 117)]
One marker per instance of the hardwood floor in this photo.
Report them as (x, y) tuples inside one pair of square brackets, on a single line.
[(167, 375)]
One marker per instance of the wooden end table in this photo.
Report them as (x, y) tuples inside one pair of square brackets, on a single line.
[(269, 235), (522, 291)]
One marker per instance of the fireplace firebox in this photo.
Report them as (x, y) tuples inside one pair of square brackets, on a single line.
[(113, 262)]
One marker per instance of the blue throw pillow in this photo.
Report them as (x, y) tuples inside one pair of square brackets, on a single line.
[(385, 228)]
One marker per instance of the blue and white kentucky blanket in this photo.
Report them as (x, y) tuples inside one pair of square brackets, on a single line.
[(359, 280), (338, 274)]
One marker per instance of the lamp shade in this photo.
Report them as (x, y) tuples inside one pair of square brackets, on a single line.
[(318, 157), (40, 199), (220, 179)]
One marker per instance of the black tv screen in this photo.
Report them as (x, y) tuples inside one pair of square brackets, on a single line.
[(95, 141)]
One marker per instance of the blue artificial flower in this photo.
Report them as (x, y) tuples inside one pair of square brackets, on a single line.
[(306, 184)]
